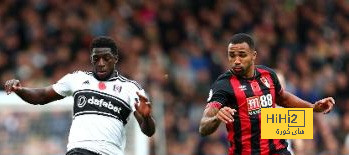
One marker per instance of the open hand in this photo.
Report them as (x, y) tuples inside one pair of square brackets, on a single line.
[(226, 114), (12, 86), (143, 107), (325, 105)]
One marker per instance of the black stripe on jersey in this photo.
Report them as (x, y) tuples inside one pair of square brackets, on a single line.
[(94, 102), (237, 134), (104, 94), (237, 124), (265, 91), (254, 120), (97, 113), (123, 79)]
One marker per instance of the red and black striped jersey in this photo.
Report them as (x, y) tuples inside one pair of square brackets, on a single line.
[(247, 96)]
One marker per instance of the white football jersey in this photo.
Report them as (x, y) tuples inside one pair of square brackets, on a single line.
[(101, 110)]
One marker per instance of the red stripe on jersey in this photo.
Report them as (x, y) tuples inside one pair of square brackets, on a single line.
[(214, 104), (264, 143), (243, 115), (277, 142)]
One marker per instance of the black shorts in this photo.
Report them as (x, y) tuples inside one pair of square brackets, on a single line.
[(80, 151)]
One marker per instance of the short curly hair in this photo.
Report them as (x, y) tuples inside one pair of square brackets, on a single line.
[(241, 38), (105, 42)]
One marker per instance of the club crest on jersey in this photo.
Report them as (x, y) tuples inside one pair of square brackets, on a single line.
[(117, 88), (265, 82)]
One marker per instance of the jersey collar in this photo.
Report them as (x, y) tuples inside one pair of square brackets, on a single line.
[(256, 74)]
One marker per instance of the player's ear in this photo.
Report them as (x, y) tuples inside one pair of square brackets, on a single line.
[(91, 60), (254, 55)]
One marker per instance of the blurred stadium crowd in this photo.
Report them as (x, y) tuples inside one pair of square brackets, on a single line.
[(176, 49)]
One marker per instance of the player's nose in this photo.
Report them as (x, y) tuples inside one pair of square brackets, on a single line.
[(101, 62), (237, 61)]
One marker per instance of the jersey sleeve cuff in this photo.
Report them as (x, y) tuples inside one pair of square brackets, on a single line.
[(56, 89), (214, 104)]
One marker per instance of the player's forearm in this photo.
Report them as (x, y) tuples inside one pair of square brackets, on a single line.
[(208, 125), (148, 126), (289, 100), (33, 95)]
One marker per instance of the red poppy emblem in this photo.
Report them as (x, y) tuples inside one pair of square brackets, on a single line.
[(102, 85)]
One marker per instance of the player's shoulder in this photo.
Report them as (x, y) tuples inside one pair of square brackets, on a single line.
[(262, 68), (225, 76), (80, 73), (125, 80), (223, 80)]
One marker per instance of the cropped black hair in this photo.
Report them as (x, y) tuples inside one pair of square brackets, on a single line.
[(241, 38), (105, 42)]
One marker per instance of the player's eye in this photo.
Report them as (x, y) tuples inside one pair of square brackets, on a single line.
[(107, 58), (232, 55), (94, 59), (242, 55)]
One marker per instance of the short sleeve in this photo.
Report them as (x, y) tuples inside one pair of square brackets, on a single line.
[(218, 93), (277, 84), (134, 99), (64, 86)]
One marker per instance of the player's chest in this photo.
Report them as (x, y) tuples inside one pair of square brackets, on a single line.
[(252, 95), (113, 88)]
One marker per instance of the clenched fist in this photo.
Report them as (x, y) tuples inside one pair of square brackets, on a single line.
[(324, 105), (12, 86)]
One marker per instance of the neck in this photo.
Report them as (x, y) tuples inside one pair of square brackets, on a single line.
[(112, 74), (250, 73)]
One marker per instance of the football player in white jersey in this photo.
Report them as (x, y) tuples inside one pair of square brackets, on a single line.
[(103, 101)]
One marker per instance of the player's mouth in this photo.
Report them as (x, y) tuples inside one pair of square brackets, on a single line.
[(101, 73), (237, 69)]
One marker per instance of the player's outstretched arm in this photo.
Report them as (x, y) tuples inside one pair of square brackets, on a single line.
[(143, 116), (32, 95), (213, 116), (289, 100)]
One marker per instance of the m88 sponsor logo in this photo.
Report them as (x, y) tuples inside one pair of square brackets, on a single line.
[(255, 103)]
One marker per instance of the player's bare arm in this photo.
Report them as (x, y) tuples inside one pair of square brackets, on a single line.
[(143, 116), (213, 116), (36, 96), (289, 100)]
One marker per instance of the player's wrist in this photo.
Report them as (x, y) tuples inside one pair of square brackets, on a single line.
[(317, 108), (18, 90), (147, 117), (216, 119)]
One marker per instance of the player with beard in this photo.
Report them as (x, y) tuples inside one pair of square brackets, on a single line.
[(103, 101), (231, 101)]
